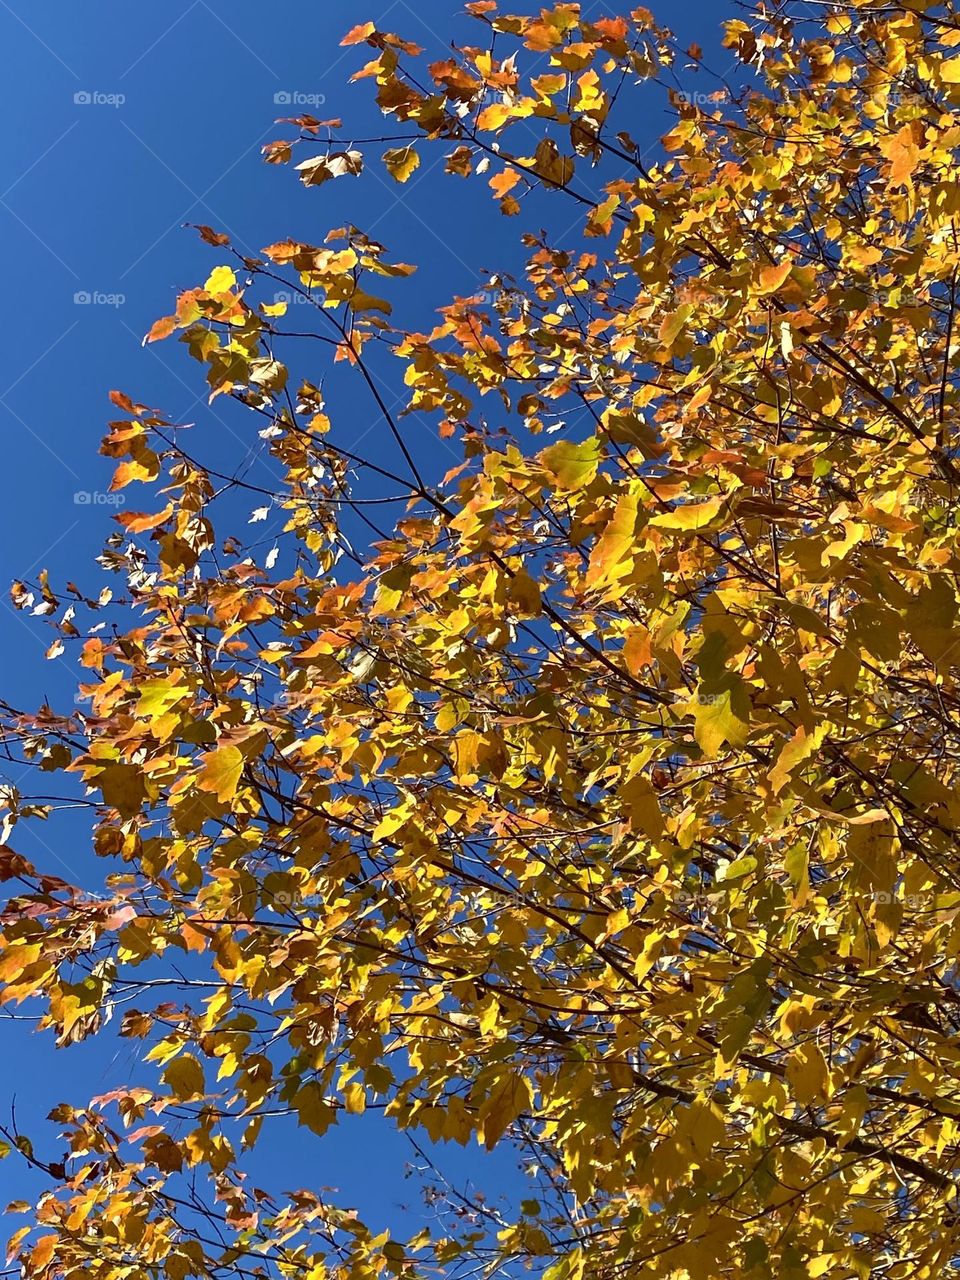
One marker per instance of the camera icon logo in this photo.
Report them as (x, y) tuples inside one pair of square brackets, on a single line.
[(282, 98), (82, 498), (81, 298), (83, 98)]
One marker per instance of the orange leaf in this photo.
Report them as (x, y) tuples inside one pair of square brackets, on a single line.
[(903, 154), (637, 651), (161, 329), (359, 34), (503, 182), (140, 522), (772, 277)]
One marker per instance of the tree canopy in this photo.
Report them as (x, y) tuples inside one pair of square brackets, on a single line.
[(596, 800)]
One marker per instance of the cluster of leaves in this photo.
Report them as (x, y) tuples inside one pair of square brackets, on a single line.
[(607, 808)]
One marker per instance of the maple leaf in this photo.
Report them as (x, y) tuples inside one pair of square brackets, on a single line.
[(221, 772)]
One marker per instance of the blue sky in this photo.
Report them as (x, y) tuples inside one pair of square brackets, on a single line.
[(122, 122)]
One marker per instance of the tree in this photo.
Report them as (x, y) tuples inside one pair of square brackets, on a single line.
[(606, 807)]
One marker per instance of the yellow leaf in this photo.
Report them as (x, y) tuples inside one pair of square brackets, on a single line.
[(786, 339), (600, 220), (572, 466), (612, 556), (122, 786), (313, 1110), (220, 280), (510, 1096), (494, 117), (185, 1077), (144, 468), (672, 324), (490, 1015), (355, 1099), (800, 747), (360, 301), (16, 958), (722, 717), (466, 749), (690, 515), (401, 162), (221, 773), (547, 85), (524, 594), (642, 806), (808, 1075)]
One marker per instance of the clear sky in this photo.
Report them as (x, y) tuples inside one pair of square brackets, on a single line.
[(122, 122)]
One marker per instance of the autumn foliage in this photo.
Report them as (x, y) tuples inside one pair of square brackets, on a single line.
[(599, 801)]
